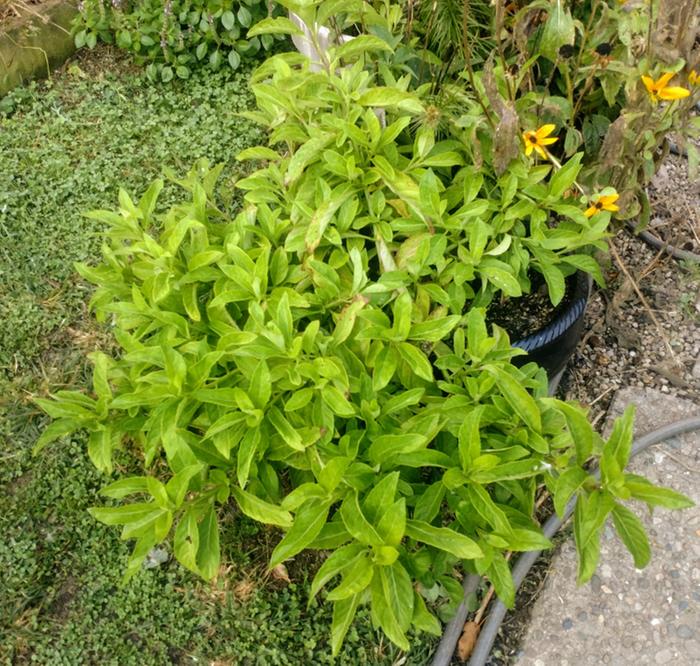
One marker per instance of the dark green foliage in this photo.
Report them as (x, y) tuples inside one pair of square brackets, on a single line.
[(176, 36)]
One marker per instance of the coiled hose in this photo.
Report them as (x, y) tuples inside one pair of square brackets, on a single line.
[(487, 635)]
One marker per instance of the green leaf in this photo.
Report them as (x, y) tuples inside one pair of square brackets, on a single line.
[(260, 387), (208, 555), (385, 447), (423, 619), (356, 579), (337, 402), (589, 517), (260, 510), (384, 367), (556, 284), (416, 360), (501, 279), (587, 264), (443, 538), (566, 485), (123, 487), (299, 399), (470, 437), (337, 562), (244, 16), (360, 45), (645, 491), (500, 576), (391, 98), (100, 447), (581, 430), (517, 397), (402, 401), (482, 503), (392, 602), (258, 153), (564, 178), (429, 503), (343, 614), (54, 431), (433, 330), (620, 442), (524, 540), (228, 19), (234, 60), (392, 524), (284, 428), (356, 523), (178, 486), (121, 515), (633, 535), (307, 525), (558, 30), (274, 26), (246, 455), (186, 541)]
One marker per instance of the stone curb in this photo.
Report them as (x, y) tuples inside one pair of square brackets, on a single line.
[(34, 46)]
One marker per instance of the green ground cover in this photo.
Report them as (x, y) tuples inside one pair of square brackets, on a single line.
[(65, 148)]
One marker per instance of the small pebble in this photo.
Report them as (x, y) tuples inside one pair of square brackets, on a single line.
[(684, 631)]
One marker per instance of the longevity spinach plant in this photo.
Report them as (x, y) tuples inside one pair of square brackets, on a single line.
[(174, 36), (348, 408)]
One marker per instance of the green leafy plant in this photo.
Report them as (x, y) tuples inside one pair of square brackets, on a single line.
[(174, 36), (328, 403), (322, 360)]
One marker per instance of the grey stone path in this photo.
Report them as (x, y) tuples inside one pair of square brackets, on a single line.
[(625, 616)]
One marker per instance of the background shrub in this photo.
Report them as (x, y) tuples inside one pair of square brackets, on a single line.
[(175, 36)]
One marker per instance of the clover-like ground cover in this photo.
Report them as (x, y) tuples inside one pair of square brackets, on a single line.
[(65, 148)]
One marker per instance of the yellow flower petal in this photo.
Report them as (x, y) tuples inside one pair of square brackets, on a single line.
[(648, 83), (611, 207), (545, 130), (662, 82), (528, 149), (590, 212), (547, 142), (673, 93), (541, 151), (608, 199), (693, 77)]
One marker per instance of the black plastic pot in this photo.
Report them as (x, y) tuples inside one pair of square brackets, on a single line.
[(552, 346)]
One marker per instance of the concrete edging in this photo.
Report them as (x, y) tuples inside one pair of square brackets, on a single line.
[(36, 44)]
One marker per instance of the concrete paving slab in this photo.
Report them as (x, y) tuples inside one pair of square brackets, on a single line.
[(623, 615)]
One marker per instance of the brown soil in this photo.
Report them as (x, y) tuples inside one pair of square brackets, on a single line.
[(530, 313)]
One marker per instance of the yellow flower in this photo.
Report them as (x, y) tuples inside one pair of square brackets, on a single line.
[(603, 202), (537, 140), (694, 78), (659, 89)]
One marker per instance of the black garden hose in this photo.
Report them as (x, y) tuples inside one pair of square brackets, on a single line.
[(488, 633), (655, 242)]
